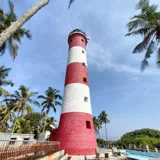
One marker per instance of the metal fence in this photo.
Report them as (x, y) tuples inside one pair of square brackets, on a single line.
[(15, 149)]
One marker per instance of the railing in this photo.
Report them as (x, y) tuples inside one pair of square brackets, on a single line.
[(16, 149)]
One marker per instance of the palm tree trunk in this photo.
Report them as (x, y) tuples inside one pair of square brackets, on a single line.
[(15, 123), (45, 122), (99, 136), (7, 33), (106, 132)]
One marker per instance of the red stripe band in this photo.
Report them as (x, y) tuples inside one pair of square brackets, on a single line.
[(76, 73), (77, 39), (76, 133)]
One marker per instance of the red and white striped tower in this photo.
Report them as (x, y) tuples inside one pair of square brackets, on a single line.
[(76, 131)]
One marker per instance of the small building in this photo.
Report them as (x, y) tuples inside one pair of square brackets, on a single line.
[(17, 136), (44, 136), (15, 139)]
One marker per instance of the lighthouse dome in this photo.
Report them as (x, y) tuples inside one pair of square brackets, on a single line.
[(77, 31)]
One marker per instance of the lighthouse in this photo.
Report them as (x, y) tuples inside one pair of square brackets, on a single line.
[(76, 130)]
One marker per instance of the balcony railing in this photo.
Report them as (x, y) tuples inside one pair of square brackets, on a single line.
[(16, 149)]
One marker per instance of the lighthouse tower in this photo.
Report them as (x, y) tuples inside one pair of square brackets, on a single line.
[(76, 131)]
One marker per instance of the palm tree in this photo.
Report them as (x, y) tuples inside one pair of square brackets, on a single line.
[(6, 116), (97, 125), (104, 120), (9, 31), (146, 24), (50, 121), (3, 82), (36, 120), (6, 20), (14, 27), (3, 121), (50, 101), (20, 125), (23, 99)]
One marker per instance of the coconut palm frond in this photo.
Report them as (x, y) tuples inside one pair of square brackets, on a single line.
[(143, 45), (44, 103), (158, 57), (36, 103), (4, 71), (54, 108), (3, 49), (70, 2), (153, 7), (50, 99), (28, 34), (142, 4), (58, 103), (7, 82), (41, 96), (4, 92), (150, 49), (139, 22), (58, 96), (144, 65), (141, 31), (32, 94), (13, 48), (24, 32), (11, 5), (29, 109), (17, 94), (146, 24), (1, 14), (6, 20)]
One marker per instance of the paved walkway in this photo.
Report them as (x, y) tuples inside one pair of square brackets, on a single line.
[(111, 157)]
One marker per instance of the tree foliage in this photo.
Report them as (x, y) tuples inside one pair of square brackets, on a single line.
[(101, 141), (50, 100), (147, 25), (97, 125), (103, 119), (23, 98), (33, 123), (3, 80), (6, 19), (70, 3), (143, 137)]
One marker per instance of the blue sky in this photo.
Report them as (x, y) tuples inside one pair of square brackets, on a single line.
[(130, 98)]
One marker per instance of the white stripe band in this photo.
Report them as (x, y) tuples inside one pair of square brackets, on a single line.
[(76, 55), (76, 98)]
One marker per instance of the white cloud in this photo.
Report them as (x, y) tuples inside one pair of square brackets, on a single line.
[(133, 79), (98, 56), (104, 59)]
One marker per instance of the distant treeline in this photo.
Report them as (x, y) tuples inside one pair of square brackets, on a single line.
[(141, 137)]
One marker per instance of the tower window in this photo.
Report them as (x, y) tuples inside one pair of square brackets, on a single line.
[(82, 40), (84, 79), (84, 64), (25, 140), (13, 140), (85, 99), (88, 124), (82, 51)]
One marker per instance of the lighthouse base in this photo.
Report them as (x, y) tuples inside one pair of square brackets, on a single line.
[(76, 134), (80, 151)]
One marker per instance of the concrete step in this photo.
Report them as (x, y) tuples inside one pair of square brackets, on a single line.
[(54, 156), (65, 157)]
